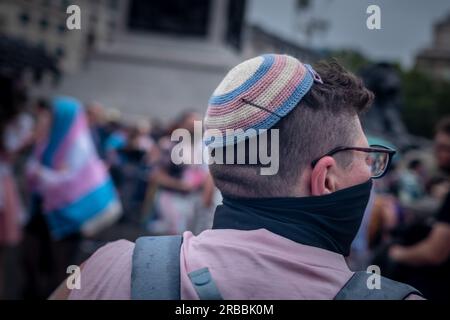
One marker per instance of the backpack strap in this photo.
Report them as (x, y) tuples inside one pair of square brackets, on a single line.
[(204, 285), (356, 289), (155, 273)]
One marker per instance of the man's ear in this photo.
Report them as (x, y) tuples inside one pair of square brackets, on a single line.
[(323, 179)]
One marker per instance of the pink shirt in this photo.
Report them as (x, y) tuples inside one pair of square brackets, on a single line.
[(245, 265)]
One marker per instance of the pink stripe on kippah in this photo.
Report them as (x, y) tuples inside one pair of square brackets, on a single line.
[(287, 91)]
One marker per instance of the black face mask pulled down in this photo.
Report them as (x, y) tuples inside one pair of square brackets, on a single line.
[(329, 222)]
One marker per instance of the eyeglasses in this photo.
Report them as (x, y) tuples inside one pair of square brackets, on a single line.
[(379, 158)]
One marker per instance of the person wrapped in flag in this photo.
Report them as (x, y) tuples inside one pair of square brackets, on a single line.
[(73, 195)]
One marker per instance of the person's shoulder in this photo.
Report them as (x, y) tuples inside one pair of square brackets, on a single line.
[(107, 273), (114, 249), (414, 297)]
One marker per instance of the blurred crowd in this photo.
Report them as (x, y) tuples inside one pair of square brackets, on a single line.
[(164, 197), (71, 172), (125, 171)]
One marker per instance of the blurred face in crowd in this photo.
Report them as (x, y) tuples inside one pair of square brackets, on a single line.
[(341, 171), (143, 127), (440, 190), (188, 121), (95, 113), (442, 150), (43, 123)]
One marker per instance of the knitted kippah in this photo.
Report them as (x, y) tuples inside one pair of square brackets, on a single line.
[(256, 94)]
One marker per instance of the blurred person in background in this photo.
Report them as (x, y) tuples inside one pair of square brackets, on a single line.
[(72, 194), (429, 259), (179, 186), (424, 209), (204, 214), (144, 140), (384, 218), (131, 169), (411, 182), (96, 120), (116, 139), (438, 187), (158, 130), (15, 134)]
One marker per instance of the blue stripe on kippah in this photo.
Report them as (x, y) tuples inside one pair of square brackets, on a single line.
[(262, 70)]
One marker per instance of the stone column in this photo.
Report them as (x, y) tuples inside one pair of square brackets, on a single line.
[(218, 21), (123, 15)]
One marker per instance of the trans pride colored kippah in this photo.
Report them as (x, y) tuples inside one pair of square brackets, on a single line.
[(256, 94)]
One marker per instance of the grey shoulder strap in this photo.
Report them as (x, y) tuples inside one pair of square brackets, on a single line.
[(204, 285), (155, 273), (356, 289)]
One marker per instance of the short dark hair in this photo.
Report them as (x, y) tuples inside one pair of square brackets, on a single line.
[(43, 104), (443, 126), (321, 121)]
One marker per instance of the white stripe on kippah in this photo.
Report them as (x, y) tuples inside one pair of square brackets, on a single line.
[(238, 75)]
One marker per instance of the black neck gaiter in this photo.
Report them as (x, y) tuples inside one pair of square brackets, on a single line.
[(329, 222)]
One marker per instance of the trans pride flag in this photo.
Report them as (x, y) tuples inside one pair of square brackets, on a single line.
[(77, 191)]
